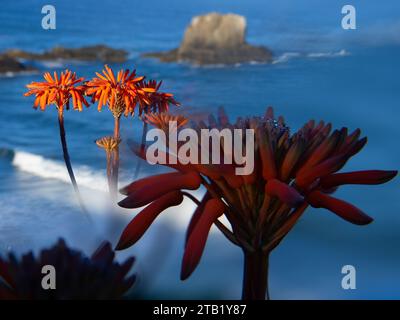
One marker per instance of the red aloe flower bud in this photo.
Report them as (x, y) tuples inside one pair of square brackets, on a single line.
[(173, 161), (267, 156), (149, 193), (150, 181), (291, 158), (142, 221), (341, 208), (196, 215), (324, 168), (284, 192), (228, 172), (213, 209), (355, 147), (357, 177), (321, 152), (223, 119), (350, 140), (207, 170)]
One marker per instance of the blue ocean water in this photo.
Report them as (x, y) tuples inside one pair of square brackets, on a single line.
[(321, 71)]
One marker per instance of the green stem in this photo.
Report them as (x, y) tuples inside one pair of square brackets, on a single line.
[(68, 163)]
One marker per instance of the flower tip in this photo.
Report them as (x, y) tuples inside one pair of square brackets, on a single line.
[(121, 245), (125, 203), (365, 221), (284, 192), (391, 174), (185, 273), (124, 191)]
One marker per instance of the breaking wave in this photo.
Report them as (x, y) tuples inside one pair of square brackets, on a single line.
[(53, 169), (285, 57)]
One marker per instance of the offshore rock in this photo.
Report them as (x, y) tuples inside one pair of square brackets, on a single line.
[(215, 39), (90, 53), (12, 65)]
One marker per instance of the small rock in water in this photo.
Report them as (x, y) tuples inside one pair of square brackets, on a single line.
[(9, 65), (90, 53), (215, 39)]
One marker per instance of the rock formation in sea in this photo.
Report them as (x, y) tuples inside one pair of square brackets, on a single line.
[(90, 53), (9, 64), (215, 39)]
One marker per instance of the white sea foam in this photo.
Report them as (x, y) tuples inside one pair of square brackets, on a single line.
[(177, 217), (50, 64), (11, 74), (61, 63), (285, 57), (340, 53), (52, 169)]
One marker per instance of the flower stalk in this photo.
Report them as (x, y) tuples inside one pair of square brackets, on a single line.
[(67, 161), (115, 162), (255, 275), (142, 147), (58, 90), (109, 144)]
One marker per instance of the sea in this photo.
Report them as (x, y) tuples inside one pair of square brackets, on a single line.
[(320, 71)]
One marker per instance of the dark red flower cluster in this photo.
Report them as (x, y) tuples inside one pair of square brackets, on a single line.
[(292, 172), (77, 276)]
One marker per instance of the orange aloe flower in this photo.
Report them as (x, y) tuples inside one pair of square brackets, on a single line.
[(159, 101), (121, 93), (58, 90), (292, 172), (162, 120)]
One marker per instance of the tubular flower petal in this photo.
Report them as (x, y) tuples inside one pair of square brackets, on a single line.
[(357, 177), (223, 119), (196, 215), (213, 209), (142, 221), (172, 163), (149, 193), (327, 167), (321, 152), (150, 181), (343, 209), (157, 102), (292, 157), (267, 158), (284, 192)]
